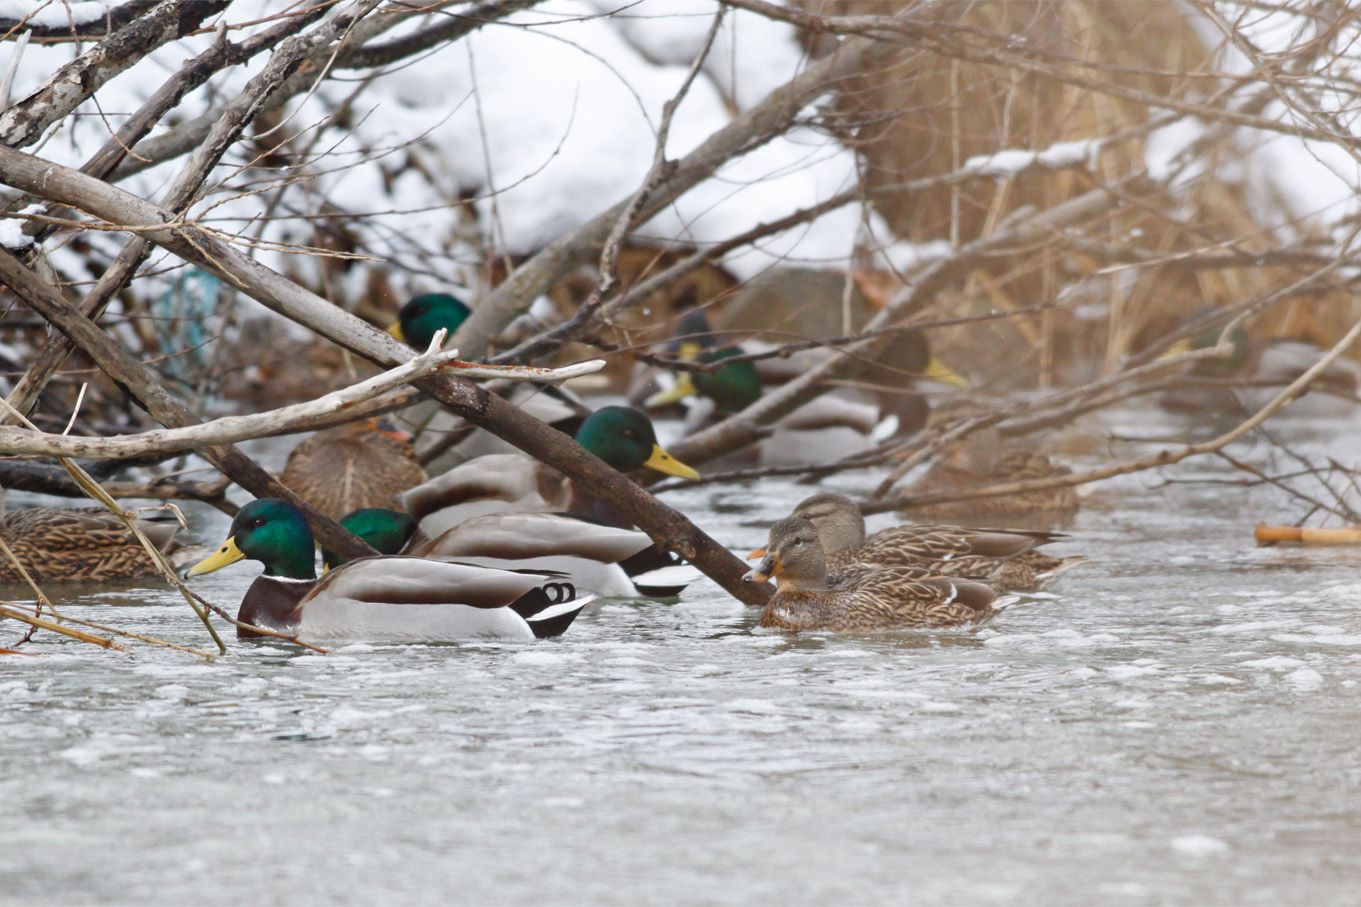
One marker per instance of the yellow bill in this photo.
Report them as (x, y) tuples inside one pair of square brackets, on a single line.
[(1177, 349), (227, 554), (941, 372), (395, 329), (663, 462), (685, 387)]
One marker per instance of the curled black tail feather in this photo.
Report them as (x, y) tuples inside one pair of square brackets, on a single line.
[(549, 595)]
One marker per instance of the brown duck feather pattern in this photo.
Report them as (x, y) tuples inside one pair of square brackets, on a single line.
[(865, 599), (80, 545), (340, 470), (994, 558), (1016, 467)]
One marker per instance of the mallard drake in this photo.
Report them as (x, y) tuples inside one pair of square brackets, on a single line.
[(382, 599), (85, 544), (363, 464), (620, 435), (861, 598), (1261, 367), (494, 483), (417, 322), (607, 560), (840, 422), (386, 531), (826, 428), (979, 460), (422, 316), (1005, 559)]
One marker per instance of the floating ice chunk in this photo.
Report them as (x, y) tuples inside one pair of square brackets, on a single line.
[(1335, 639), (1304, 680), (541, 657), (1274, 663), (1126, 671), (1199, 845)]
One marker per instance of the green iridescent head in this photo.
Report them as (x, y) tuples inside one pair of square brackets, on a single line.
[(1238, 339), (423, 315), (270, 531), (624, 438), (386, 531), (692, 335), (732, 387)]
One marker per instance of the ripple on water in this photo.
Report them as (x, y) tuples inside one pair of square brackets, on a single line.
[(1174, 722)]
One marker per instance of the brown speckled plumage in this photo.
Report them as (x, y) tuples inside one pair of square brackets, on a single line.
[(1002, 558), (78, 545), (352, 466), (862, 598), (980, 461)]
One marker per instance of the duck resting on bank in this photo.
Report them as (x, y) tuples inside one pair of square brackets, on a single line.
[(981, 459), (382, 599), (842, 420), (861, 598)]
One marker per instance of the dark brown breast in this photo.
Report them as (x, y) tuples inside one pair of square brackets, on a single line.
[(272, 603)]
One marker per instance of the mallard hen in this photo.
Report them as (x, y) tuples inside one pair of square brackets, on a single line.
[(861, 598), (1003, 558), (79, 544), (349, 467)]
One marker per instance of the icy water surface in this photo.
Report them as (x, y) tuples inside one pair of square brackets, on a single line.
[(1178, 724)]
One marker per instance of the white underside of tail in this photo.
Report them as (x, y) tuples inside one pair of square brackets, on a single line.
[(553, 611), (674, 575)]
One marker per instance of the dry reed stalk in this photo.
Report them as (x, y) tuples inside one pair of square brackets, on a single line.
[(39, 623), (97, 493), (928, 112)]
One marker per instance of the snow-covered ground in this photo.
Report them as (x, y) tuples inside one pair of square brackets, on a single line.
[(549, 116), (544, 119)]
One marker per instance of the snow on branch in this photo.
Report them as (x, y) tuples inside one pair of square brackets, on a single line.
[(1013, 161)]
